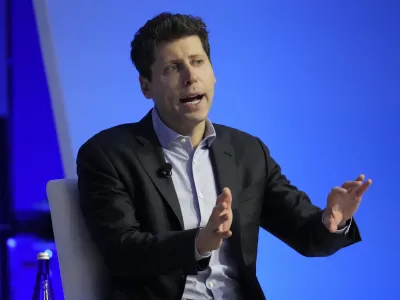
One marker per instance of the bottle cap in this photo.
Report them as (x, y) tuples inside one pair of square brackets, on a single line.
[(43, 256)]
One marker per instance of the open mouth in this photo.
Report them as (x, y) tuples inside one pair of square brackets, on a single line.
[(193, 99)]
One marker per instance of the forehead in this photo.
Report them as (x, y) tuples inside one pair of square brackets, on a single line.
[(179, 49)]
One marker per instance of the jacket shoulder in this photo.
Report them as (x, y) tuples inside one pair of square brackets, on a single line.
[(245, 145), (234, 136), (110, 137)]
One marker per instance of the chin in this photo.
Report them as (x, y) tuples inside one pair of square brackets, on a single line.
[(196, 117)]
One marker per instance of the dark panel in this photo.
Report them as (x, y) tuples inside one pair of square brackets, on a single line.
[(35, 151), (5, 210), (5, 193), (3, 61), (33, 146)]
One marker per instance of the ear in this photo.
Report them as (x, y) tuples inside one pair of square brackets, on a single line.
[(145, 86)]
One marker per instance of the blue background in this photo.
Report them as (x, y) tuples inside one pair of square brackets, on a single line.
[(317, 81)]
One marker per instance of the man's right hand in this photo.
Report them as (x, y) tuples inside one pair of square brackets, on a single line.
[(218, 226)]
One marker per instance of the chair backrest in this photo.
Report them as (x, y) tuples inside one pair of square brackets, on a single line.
[(83, 273)]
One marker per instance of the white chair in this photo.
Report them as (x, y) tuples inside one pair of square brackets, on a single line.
[(83, 273)]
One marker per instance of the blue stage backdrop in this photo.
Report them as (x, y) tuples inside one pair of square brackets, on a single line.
[(317, 81)]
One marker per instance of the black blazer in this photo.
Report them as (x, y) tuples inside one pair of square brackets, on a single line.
[(134, 216)]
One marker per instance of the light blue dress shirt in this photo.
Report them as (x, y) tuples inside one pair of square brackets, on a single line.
[(194, 182)]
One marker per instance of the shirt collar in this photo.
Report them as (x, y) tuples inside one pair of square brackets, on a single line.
[(166, 135)]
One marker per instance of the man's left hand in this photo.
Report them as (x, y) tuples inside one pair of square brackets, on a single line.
[(343, 202)]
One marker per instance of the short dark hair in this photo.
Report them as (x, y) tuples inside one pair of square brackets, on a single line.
[(164, 28)]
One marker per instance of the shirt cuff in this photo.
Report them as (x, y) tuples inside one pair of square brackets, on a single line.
[(197, 255)]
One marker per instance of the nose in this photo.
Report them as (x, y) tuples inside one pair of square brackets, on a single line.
[(190, 76)]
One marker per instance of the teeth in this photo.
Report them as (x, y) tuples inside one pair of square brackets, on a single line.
[(194, 102), (193, 98)]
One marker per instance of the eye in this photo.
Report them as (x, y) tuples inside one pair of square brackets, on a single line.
[(198, 61), (171, 68)]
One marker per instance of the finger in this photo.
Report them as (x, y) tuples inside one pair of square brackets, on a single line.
[(215, 214), (228, 194), (223, 218), (338, 189), (360, 178), (349, 185), (223, 206), (225, 197), (363, 188), (218, 213), (223, 234)]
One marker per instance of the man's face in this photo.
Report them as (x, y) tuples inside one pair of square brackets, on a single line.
[(182, 84)]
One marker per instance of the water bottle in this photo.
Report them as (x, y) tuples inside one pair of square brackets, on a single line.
[(43, 289)]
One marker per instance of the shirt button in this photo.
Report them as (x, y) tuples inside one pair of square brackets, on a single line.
[(200, 195), (211, 284), (183, 140)]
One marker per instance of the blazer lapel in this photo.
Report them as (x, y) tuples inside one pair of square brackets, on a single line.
[(152, 158), (223, 160)]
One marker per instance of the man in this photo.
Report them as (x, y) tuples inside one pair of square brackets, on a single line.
[(175, 202)]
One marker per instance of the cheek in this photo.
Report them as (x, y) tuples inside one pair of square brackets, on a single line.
[(211, 78), (168, 96), (170, 87), (163, 90)]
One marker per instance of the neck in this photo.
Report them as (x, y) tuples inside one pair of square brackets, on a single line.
[(196, 132)]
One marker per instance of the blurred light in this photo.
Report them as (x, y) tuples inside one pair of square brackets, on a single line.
[(49, 252), (11, 243)]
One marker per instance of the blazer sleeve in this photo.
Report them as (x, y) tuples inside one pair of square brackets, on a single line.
[(289, 215), (110, 217)]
